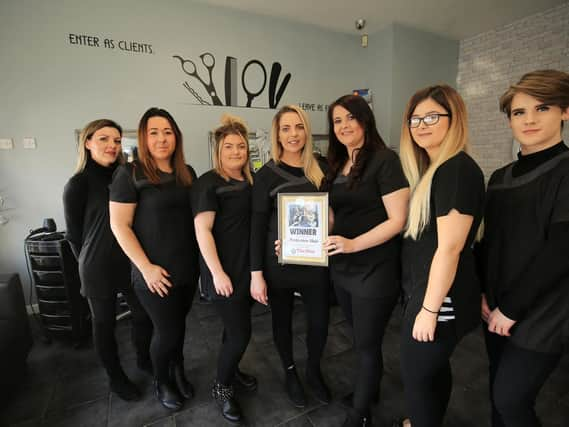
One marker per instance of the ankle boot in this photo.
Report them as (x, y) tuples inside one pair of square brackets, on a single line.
[(168, 395), (316, 383), (356, 418), (178, 377), (294, 388), (244, 382), (124, 388), (225, 399)]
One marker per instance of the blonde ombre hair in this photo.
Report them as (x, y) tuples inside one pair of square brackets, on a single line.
[(417, 166), (86, 134), (310, 165), (230, 125)]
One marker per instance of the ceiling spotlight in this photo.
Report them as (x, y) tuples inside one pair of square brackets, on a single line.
[(360, 24)]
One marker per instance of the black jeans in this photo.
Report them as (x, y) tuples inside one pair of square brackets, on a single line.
[(103, 313), (516, 377), (316, 301), (236, 317), (368, 318), (168, 316), (427, 375)]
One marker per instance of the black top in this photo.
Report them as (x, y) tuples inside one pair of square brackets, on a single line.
[(231, 202), (163, 222), (525, 247), (457, 184), (358, 210), (103, 267), (271, 180)]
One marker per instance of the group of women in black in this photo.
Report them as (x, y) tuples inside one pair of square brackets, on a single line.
[(408, 230)]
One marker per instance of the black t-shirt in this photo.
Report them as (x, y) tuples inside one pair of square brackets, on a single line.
[(358, 210), (103, 267), (163, 222), (231, 202), (525, 247), (457, 184), (271, 180)]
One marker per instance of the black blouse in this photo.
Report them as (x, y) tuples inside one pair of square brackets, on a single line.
[(358, 210), (103, 267), (457, 184), (271, 180), (163, 222), (231, 202)]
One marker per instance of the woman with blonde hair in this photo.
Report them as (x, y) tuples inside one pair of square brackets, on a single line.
[(222, 218), (368, 197), (151, 217), (292, 169), (440, 285), (103, 267), (524, 250)]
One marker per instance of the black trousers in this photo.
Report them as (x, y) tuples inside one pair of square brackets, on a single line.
[(427, 375), (168, 315), (516, 377), (368, 318), (236, 317), (103, 313), (316, 301)]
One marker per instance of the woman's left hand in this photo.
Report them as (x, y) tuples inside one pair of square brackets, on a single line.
[(278, 248), (338, 245), (425, 325), (500, 324)]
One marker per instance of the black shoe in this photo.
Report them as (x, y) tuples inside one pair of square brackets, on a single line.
[(178, 377), (244, 382), (145, 365), (357, 419), (225, 398), (124, 388), (294, 388), (319, 388), (168, 396)]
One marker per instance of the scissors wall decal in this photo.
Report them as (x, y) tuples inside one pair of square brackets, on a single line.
[(189, 67)]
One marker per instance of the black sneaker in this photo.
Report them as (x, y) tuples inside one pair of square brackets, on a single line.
[(294, 388)]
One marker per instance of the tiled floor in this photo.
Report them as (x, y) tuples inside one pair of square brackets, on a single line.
[(67, 387)]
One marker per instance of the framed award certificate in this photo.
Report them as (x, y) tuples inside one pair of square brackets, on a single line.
[(303, 228)]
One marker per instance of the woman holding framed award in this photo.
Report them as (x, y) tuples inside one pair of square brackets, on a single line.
[(222, 217), (368, 196), (292, 169)]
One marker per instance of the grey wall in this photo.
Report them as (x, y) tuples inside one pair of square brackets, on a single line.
[(490, 62), (49, 88)]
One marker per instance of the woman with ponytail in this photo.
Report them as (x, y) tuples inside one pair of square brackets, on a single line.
[(222, 218), (441, 289)]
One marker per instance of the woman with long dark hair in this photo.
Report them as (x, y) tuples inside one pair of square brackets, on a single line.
[(151, 217), (103, 267), (368, 197)]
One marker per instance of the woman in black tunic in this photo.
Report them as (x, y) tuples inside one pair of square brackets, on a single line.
[(441, 288), (292, 169), (103, 267), (222, 217), (524, 250), (151, 217), (368, 197)]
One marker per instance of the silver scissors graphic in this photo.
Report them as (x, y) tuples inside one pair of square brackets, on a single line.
[(189, 67)]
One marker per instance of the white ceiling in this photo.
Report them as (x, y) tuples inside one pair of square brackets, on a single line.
[(456, 19)]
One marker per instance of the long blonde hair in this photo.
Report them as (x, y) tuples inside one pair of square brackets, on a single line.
[(310, 165), (417, 166), (230, 125), (86, 134)]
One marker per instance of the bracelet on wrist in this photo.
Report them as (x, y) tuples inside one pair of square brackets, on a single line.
[(430, 311)]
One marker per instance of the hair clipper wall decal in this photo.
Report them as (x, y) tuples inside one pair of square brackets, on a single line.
[(253, 80)]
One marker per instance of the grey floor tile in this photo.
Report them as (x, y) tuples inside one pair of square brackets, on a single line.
[(26, 403), (206, 415), (81, 390), (92, 414), (300, 421), (164, 422), (332, 415)]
